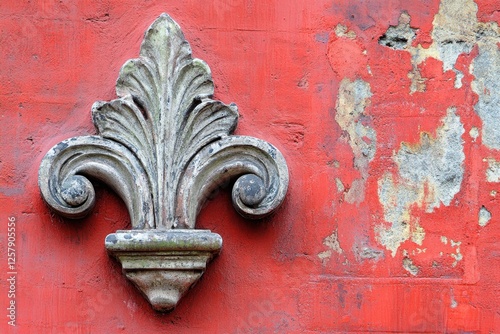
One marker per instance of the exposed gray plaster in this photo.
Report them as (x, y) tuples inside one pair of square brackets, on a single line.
[(456, 31), (399, 37), (474, 133), (332, 242), (486, 70), (484, 217), (430, 174), (342, 31), (409, 266), (457, 256), (356, 193), (364, 252), (396, 200), (493, 171), (340, 185), (353, 98), (439, 162)]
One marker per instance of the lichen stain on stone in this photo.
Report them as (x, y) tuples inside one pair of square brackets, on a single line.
[(430, 174), (353, 98), (484, 216), (333, 245)]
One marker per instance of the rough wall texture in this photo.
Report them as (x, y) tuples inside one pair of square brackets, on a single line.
[(387, 112)]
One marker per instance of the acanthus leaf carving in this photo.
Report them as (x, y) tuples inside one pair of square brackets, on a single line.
[(164, 145)]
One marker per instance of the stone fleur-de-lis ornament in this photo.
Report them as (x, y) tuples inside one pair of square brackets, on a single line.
[(164, 146)]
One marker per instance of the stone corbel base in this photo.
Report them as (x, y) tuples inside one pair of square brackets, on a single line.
[(164, 264)]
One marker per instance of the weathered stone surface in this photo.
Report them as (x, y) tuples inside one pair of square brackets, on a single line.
[(164, 146), (163, 265), (163, 127)]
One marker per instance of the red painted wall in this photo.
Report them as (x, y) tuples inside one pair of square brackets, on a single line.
[(392, 157)]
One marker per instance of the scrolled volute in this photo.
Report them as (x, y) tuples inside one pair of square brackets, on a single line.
[(65, 171)]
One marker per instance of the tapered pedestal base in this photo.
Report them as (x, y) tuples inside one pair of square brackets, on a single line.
[(163, 264)]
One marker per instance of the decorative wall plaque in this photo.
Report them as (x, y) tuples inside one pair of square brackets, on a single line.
[(164, 146)]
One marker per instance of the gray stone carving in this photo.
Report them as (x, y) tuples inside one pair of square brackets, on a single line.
[(164, 146)]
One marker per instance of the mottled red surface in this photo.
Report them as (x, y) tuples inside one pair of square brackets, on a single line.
[(282, 64)]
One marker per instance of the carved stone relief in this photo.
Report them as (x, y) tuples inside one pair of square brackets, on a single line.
[(164, 146)]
